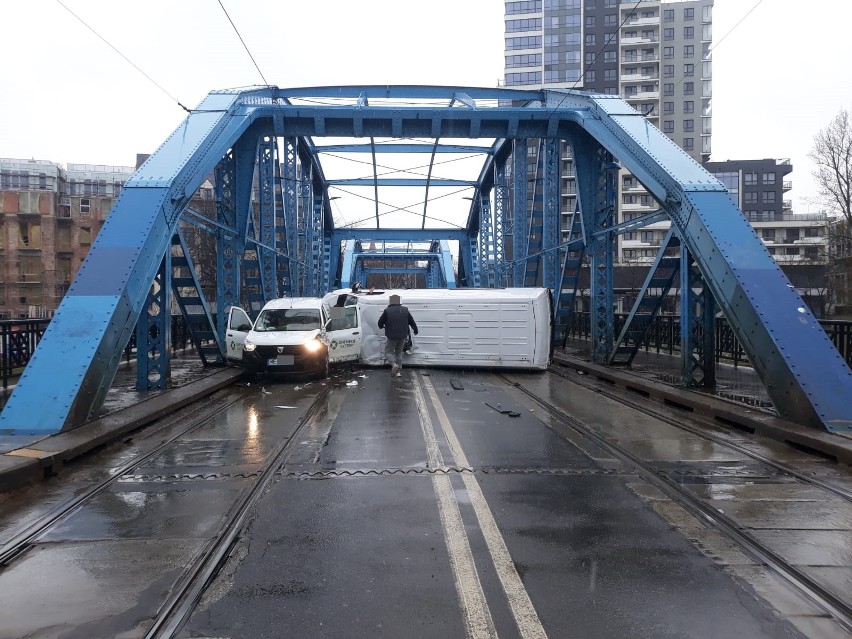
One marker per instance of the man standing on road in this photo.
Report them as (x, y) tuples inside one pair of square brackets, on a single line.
[(395, 320)]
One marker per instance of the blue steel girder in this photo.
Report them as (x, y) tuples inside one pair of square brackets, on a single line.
[(267, 169), (77, 358), (290, 194), (697, 326), (520, 214), (486, 242), (551, 219), (153, 332), (501, 199)]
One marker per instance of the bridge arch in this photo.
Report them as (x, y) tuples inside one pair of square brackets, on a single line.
[(262, 141)]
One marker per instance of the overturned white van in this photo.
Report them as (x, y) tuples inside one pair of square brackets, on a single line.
[(473, 328)]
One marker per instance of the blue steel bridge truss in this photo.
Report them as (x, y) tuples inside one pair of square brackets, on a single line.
[(274, 235)]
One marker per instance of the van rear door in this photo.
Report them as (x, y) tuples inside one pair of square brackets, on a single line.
[(239, 324)]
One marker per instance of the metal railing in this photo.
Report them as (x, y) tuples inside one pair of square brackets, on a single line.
[(19, 338), (663, 336)]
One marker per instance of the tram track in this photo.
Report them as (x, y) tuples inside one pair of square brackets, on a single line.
[(832, 605), (23, 539), (190, 584), (644, 408), (189, 588)]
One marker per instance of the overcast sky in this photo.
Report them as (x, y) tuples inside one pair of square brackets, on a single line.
[(778, 76)]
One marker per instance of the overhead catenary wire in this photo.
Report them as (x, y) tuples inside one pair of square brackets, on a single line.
[(245, 46), (128, 60)]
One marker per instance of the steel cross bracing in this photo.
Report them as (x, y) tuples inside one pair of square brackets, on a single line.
[(230, 133)]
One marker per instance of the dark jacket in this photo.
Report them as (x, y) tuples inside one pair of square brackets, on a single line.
[(395, 320)]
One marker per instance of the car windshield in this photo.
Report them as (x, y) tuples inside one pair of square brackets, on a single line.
[(288, 319)]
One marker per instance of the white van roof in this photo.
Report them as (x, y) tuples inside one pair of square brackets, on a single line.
[(426, 295)]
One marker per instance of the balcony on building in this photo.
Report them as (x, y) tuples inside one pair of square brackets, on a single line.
[(788, 185)]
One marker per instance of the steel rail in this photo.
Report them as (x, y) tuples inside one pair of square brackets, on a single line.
[(23, 539), (763, 459), (839, 610), (182, 600)]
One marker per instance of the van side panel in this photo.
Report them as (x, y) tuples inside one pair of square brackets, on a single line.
[(466, 329)]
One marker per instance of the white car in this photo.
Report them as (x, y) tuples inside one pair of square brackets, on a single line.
[(295, 335)]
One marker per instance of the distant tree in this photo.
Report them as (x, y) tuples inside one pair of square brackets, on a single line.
[(832, 153)]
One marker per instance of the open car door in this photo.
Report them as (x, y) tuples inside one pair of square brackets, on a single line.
[(239, 324), (343, 330)]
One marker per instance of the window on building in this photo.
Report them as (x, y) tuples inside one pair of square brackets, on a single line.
[(768, 178), (85, 236), (688, 106), (631, 34), (768, 197), (768, 234), (668, 71), (529, 6), (791, 250), (526, 42), (523, 78), (689, 14), (688, 33), (706, 88), (688, 88), (551, 77), (85, 205), (668, 33), (668, 15), (668, 88), (750, 197), (590, 39), (707, 32), (591, 77), (646, 200), (791, 235), (706, 13), (610, 75), (649, 108), (610, 20), (706, 126), (590, 22), (688, 51), (530, 60), (812, 231), (668, 126), (668, 108), (668, 53), (529, 24), (688, 144), (629, 182), (647, 236), (610, 57), (610, 4), (611, 90), (750, 178), (688, 70), (688, 126), (590, 58)]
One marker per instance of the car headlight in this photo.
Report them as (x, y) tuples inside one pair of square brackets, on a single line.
[(249, 346), (313, 345)]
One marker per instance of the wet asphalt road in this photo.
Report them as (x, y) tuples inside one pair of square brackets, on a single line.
[(410, 508)]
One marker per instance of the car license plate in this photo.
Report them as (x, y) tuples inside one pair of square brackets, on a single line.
[(281, 360)]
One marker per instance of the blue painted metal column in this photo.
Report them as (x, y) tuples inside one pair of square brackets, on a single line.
[(316, 247), (520, 211), (596, 191), (447, 264), (153, 332), (551, 219), (697, 326), (290, 192), (348, 268), (501, 201), (486, 242), (268, 261)]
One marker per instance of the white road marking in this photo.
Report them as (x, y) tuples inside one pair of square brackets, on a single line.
[(523, 610), (477, 616)]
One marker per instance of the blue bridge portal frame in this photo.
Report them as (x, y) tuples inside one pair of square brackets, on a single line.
[(274, 235)]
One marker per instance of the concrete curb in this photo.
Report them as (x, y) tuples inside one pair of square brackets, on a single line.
[(721, 410), (45, 457)]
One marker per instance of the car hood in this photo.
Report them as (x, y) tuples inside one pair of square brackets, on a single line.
[(281, 338)]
